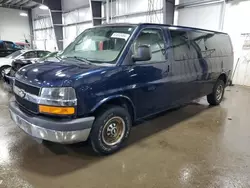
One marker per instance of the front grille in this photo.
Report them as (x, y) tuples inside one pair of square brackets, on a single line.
[(28, 88), (30, 106), (24, 103)]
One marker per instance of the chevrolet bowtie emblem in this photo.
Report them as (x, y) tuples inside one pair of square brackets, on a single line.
[(21, 93)]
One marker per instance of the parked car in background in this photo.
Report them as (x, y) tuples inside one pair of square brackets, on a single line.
[(7, 48), (113, 75), (19, 63), (30, 55), (23, 45), (8, 75)]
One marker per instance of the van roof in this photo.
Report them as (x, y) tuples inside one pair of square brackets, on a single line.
[(155, 24)]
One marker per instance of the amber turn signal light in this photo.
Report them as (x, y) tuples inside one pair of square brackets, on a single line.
[(56, 110)]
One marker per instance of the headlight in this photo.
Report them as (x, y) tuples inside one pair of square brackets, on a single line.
[(63, 96)]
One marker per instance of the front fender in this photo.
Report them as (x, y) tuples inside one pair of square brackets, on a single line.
[(105, 100)]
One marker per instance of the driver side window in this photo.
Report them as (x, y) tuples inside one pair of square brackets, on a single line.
[(29, 55), (154, 39)]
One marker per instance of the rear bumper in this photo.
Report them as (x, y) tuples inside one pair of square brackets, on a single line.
[(65, 132)]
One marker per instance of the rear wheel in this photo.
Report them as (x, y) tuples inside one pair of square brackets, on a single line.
[(110, 130), (216, 96)]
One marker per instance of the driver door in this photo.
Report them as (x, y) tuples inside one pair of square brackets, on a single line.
[(150, 76)]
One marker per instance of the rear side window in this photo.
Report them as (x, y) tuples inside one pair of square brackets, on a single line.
[(198, 40), (210, 44), (199, 44), (154, 39), (41, 54), (221, 43), (180, 44)]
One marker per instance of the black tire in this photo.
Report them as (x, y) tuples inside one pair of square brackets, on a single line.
[(106, 115), (2, 69), (213, 98)]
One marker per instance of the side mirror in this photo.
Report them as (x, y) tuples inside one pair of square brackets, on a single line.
[(143, 54)]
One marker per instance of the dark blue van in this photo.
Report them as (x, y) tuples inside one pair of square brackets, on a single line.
[(113, 75)]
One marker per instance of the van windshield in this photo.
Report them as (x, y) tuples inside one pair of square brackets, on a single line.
[(100, 44)]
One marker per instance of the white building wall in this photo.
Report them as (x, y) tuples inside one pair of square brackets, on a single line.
[(14, 27), (75, 20), (122, 7), (44, 35), (68, 5), (189, 1), (45, 40), (204, 16), (75, 23), (136, 11), (236, 23)]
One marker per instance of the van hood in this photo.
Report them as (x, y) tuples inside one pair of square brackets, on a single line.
[(55, 73)]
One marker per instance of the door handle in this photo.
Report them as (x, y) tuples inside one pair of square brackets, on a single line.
[(168, 68)]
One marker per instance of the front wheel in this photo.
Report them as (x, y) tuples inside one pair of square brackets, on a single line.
[(110, 130), (216, 96)]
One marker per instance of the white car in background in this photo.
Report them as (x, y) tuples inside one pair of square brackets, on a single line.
[(32, 55)]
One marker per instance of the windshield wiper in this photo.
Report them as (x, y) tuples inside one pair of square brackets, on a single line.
[(84, 60), (58, 58)]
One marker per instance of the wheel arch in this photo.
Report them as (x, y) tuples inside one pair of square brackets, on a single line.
[(223, 77), (120, 100)]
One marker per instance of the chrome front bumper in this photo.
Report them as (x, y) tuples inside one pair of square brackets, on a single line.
[(46, 129)]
